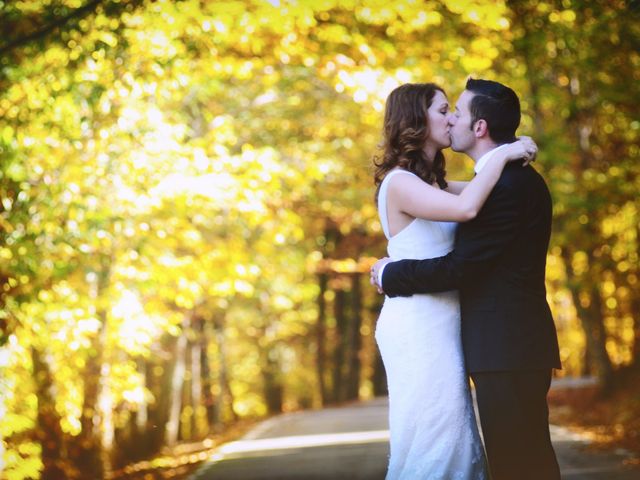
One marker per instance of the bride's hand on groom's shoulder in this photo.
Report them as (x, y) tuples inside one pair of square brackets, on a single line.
[(374, 277), (523, 149)]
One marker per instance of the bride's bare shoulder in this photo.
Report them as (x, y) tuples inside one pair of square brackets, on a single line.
[(408, 182)]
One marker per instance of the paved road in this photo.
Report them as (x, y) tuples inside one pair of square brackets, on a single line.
[(351, 443)]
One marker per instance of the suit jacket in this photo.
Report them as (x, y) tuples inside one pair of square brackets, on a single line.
[(498, 265)]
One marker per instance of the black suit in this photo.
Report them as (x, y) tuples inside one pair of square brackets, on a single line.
[(508, 334)]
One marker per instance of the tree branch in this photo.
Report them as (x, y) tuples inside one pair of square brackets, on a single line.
[(78, 13)]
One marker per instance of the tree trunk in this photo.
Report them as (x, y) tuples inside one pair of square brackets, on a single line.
[(635, 302), (142, 415), (49, 433), (196, 384), (91, 456), (105, 406), (590, 316), (208, 399), (273, 389), (130, 440), (185, 416), (177, 379), (320, 338), (635, 310), (224, 388), (355, 340), (159, 374), (3, 408), (88, 454), (341, 345)]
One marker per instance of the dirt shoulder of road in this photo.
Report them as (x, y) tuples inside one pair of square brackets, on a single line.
[(183, 459), (611, 422)]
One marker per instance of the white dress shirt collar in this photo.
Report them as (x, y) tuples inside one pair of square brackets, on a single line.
[(482, 161)]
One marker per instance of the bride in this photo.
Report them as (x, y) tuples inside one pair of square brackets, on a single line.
[(434, 434)]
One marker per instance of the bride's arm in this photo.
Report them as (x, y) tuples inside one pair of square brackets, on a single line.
[(418, 199), (456, 187)]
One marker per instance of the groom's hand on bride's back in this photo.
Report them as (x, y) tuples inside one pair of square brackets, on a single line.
[(376, 273)]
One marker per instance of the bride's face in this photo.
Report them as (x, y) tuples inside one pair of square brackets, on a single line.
[(438, 115)]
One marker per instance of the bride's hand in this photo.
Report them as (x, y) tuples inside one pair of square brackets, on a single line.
[(522, 149), (374, 273)]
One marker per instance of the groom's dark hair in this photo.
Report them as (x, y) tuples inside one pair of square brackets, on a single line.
[(496, 104)]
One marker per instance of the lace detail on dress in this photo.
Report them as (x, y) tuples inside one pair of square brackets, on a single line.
[(433, 429)]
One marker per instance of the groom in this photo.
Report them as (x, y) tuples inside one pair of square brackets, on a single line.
[(498, 266)]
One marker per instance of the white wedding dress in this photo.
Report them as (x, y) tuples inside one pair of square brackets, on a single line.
[(432, 425)]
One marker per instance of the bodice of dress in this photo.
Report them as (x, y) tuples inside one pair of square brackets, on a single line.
[(421, 238)]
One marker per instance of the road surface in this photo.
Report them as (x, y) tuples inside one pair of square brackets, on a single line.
[(351, 443)]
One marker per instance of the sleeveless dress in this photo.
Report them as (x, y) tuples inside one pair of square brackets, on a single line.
[(433, 431)]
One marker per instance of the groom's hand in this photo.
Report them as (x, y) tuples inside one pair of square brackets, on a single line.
[(375, 278)]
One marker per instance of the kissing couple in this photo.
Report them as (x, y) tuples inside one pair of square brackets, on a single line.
[(465, 289)]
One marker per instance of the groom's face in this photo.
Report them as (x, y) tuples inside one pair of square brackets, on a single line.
[(462, 136)]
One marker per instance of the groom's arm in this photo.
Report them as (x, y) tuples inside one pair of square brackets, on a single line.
[(478, 243)]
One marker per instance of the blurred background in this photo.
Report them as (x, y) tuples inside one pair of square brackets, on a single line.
[(187, 216)]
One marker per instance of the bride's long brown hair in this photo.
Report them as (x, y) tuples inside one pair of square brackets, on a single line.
[(405, 131)]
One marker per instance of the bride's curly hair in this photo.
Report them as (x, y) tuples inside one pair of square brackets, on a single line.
[(405, 132)]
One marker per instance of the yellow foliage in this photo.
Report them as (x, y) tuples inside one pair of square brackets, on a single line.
[(208, 161)]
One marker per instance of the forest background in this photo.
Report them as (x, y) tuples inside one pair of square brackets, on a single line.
[(187, 215)]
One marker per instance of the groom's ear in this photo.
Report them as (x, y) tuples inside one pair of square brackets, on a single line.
[(480, 128)]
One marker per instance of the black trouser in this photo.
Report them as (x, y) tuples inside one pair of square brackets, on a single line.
[(515, 424)]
